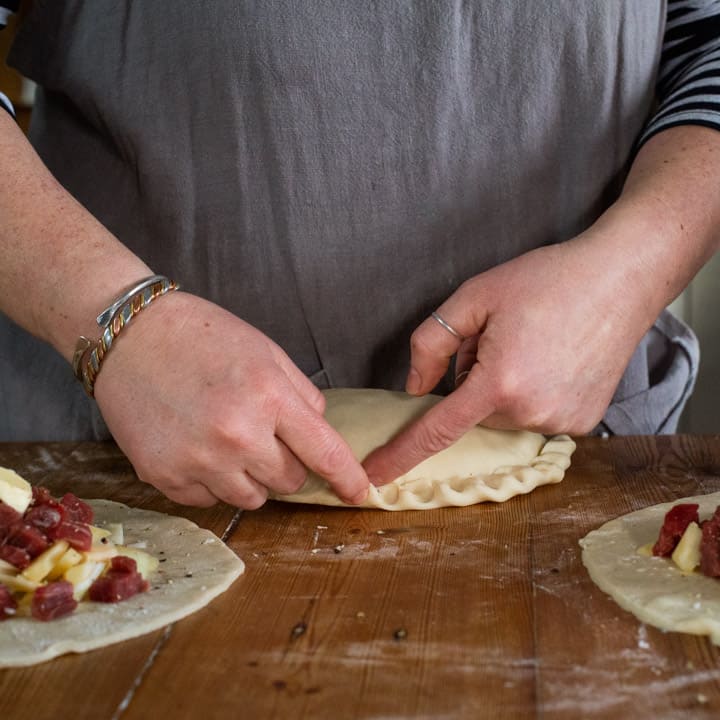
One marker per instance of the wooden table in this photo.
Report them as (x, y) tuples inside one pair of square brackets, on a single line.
[(476, 612)]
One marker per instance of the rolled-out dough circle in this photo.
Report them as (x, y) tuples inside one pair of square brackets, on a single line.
[(653, 589), (197, 567)]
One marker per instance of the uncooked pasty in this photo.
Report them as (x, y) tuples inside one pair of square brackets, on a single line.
[(483, 465)]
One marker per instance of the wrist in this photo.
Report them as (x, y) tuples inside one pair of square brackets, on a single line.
[(626, 251), (71, 308), (89, 356), (646, 247)]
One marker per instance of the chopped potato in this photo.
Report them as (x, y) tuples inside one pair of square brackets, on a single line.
[(15, 491), (70, 558), (43, 564), (117, 534), (99, 553), (83, 575), (60, 561), (24, 605), (98, 534), (18, 582), (687, 553)]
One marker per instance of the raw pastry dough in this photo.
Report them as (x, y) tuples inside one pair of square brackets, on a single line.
[(483, 465), (653, 589), (198, 566)]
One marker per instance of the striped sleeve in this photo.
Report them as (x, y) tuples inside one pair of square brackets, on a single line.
[(6, 104), (7, 7), (688, 87)]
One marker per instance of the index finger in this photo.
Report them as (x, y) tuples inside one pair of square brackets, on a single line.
[(437, 429), (323, 450)]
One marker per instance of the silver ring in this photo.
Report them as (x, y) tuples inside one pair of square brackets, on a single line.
[(447, 326), (461, 376)]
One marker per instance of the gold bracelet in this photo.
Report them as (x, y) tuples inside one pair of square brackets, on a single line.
[(86, 361)]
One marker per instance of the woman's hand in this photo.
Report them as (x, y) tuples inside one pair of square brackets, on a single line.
[(208, 408), (551, 332), (547, 338)]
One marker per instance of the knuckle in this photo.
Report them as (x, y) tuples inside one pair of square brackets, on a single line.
[(203, 501), (266, 385), (468, 292), (167, 483), (433, 440), (194, 496), (234, 430), (290, 481), (210, 502), (419, 344), (170, 485), (525, 413), (536, 417), (507, 391), (294, 481), (244, 494), (254, 502), (318, 401), (549, 419), (467, 287), (525, 406), (332, 457)]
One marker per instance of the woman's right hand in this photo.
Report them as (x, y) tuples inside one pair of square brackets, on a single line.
[(208, 408)]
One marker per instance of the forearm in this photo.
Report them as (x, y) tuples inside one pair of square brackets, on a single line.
[(59, 266), (666, 223)]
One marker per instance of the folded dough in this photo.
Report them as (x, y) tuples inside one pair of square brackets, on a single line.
[(483, 465)]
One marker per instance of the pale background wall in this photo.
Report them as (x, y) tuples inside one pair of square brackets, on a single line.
[(699, 306)]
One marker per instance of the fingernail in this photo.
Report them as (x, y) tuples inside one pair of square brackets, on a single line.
[(360, 497), (374, 479), (412, 385)]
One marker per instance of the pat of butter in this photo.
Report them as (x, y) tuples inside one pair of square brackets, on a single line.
[(15, 491)]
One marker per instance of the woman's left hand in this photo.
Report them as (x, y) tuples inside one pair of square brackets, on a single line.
[(547, 337)]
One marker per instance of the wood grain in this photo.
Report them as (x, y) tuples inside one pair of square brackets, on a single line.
[(479, 612), (403, 621), (596, 660)]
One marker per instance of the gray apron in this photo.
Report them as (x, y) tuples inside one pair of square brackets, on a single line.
[(331, 171)]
